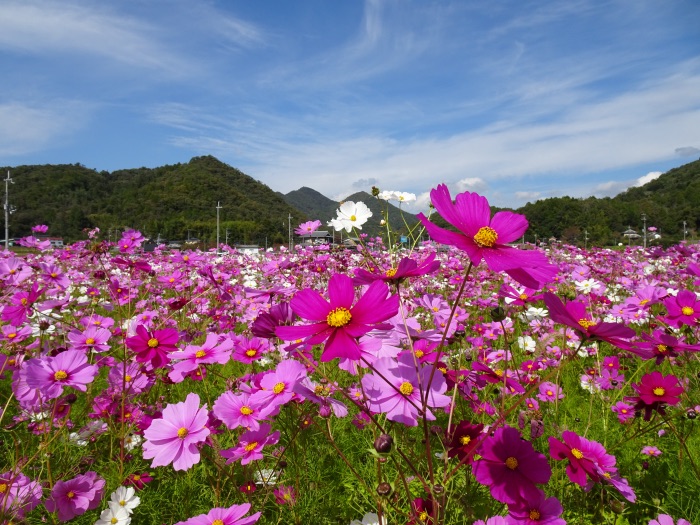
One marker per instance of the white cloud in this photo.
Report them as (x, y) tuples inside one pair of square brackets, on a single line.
[(641, 181), (688, 151)]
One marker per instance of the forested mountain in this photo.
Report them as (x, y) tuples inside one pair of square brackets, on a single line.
[(666, 202), (176, 202), (179, 201)]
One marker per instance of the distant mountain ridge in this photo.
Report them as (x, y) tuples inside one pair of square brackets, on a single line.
[(317, 206), (179, 201)]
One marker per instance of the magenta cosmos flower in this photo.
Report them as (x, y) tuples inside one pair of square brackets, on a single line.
[(51, 374), (76, 496), (511, 467), (251, 444), (583, 457), (337, 321), (395, 389), (683, 309), (219, 516), (537, 511), (193, 356), (407, 267), (153, 346), (483, 237), (174, 437), (575, 315), (654, 392)]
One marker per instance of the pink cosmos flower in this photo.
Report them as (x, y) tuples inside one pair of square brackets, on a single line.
[(511, 467), (174, 437), (153, 346), (337, 321), (400, 397), (624, 411), (193, 356), (549, 392), (660, 345), (20, 306), (51, 374), (76, 496), (483, 237), (277, 387), (665, 519), (651, 451), (307, 228), (285, 495), (537, 511), (94, 338), (655, 391), (19, 496), (237, 410), (407, 267), (251, 444), (232, 515)]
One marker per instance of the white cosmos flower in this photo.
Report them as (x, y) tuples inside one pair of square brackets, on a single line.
[(404, 196), (368, 519), (114, 515), (125, 498), (351, 215)]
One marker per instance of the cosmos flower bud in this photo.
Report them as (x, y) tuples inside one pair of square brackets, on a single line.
[(383, 443), (498, 314), (384, 489)]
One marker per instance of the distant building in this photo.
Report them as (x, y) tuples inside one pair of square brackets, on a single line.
[(318, 237)]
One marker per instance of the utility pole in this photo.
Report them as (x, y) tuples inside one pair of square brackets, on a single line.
[(685, 231), (644, 220), (226, 241), (8, 180), (290, 232), (218, 207), (585, 239)]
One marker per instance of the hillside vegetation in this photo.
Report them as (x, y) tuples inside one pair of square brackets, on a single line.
[(179, 201)]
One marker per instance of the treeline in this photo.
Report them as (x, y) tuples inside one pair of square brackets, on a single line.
[(178, 202)]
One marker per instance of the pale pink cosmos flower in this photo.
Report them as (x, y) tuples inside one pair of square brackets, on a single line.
[(174, 437)]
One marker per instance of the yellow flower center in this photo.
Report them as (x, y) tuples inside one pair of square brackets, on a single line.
[(246, 411), (423, 516), (136, 477), (3, 488), (406, 388), (23, 301), (486, 237), (122, 502), (114, 520), (251, 353), (60, 375), (217, 522), (127, 378), (54, 275), (687, 310), (390, 272), (89, 341), (200, 354), (586, 323), (419, 353), (251, 446), (278, 388), (339, 317), (11, 336), (662, 348), (577, 453), (659, 391), (523, 296), (353, 218), (465, 440), (70, 494), (535, 515), (153, 342), (182, 432), (512, 463), (643, 302)]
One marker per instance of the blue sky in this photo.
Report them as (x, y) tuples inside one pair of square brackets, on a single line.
[(514, 99)]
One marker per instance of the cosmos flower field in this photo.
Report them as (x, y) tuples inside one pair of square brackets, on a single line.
[(461, 380)]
